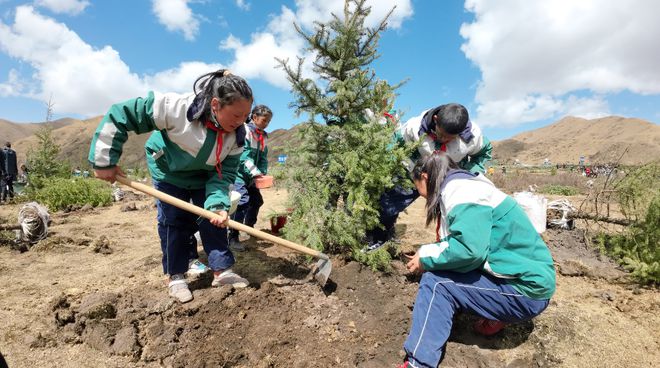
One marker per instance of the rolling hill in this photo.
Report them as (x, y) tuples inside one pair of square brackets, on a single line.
[(599, 140), (633, 141), (12, 132)]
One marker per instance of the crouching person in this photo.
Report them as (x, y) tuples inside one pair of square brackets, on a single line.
[(193, 154), (487, 260)]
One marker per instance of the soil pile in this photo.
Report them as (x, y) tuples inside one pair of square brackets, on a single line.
[(67, 305)]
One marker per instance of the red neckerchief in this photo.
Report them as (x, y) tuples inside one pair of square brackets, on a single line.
[(389, 117), (437, 230), (443, 146), (260, 137), (218, 148)]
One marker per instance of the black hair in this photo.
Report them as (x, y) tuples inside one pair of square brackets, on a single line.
[(221, 84), (452, 118), (8, 144), (436, 167), (262, 110)]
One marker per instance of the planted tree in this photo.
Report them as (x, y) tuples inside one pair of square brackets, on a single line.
[(345, 158), (43, 161)]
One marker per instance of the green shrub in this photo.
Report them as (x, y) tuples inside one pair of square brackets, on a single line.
[(638, 248), (378, 260), (62, 193), (556, 189)]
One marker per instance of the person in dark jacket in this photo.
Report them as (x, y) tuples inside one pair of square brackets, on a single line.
[(9, 171)]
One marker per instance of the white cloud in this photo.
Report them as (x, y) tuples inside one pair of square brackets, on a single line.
[(81, 79), (534, 54), (243, 4), (256, 58), (180, 79), (587, 108), (177, 16), (13, 86), (72, 7)]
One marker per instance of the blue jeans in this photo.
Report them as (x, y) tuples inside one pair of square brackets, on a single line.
[(442, 293), (248, 206), (392, 202), (176, 227)]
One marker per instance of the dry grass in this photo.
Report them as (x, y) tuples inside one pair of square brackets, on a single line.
[(516, 180)]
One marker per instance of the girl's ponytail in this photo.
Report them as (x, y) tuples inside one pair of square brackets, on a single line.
[(436, 167), (221, 84)]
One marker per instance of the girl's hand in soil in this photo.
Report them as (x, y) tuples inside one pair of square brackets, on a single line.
[(221, 220), (109, 174), (414, 265)]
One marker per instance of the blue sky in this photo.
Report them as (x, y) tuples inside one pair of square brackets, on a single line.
[(516, 64)]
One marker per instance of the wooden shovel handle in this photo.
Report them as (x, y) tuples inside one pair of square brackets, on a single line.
[(186, 206)]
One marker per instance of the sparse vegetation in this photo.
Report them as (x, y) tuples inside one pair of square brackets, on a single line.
[(520, 179), (50, 179), (64, 193), (556, 189), (637, 247)]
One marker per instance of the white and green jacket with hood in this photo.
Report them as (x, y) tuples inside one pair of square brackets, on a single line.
[(179, 151), (482, 228), (470, 150), (254, 160)]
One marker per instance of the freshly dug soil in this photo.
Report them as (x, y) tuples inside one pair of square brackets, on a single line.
[(73, 303)]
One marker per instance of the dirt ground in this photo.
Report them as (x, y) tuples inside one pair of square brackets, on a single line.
[(92, 295)]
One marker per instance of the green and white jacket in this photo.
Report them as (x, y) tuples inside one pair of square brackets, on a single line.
[(483, 228), (471, 150), (254, 160), (179, 151)]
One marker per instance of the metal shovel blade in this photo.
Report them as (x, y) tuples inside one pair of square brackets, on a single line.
[(322, 271)]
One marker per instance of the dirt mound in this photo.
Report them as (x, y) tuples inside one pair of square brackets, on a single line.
[(76, 307), (360, 320)]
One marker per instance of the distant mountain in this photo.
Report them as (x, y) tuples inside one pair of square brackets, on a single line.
[(74, 140), (598, 140), (12, 132)]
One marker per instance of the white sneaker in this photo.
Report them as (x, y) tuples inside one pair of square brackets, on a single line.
[(195, 267), (178, 288), (229, 277)]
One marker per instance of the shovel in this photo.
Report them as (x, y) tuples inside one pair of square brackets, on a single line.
[(321, 270)]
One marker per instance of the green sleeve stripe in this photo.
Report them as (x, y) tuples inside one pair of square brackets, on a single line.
[(134, 115)]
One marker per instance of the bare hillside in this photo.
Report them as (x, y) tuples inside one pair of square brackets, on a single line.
[(12, 132), (74, 140), (598, 140)]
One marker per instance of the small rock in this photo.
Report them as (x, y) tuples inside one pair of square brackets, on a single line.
[(128, 207), (36, 341), (99, 306), (102, 245), (59, 302), (126, 342), (64, 317)]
